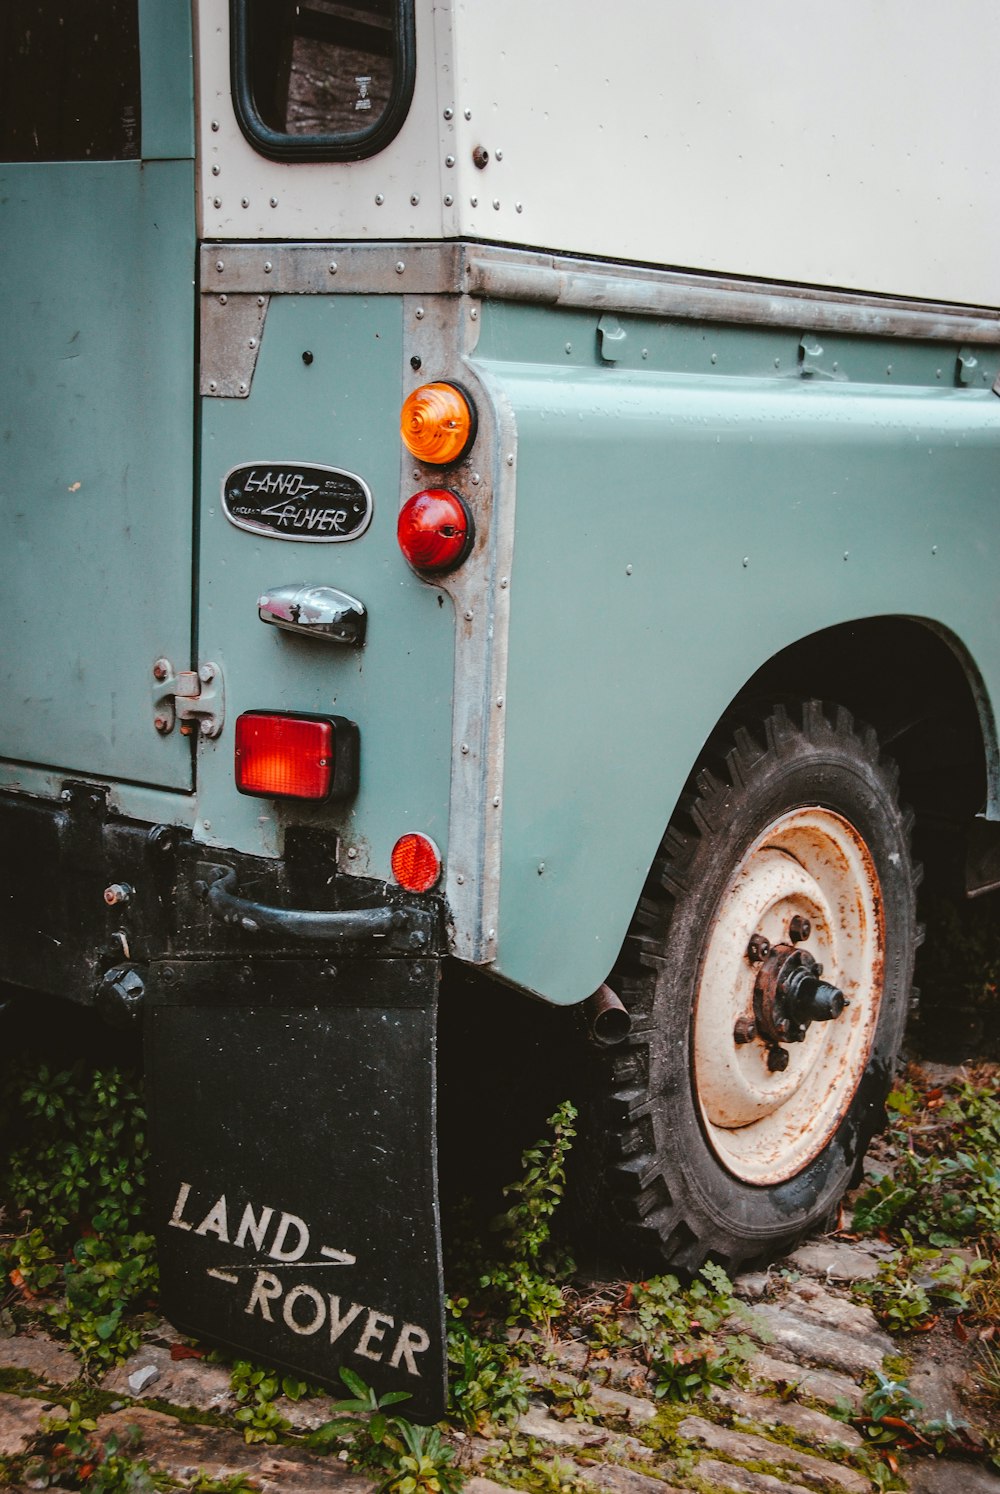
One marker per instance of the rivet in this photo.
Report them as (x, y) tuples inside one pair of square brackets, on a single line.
[(889, 369), (449, 160), (460, 880), (938, 374), (274, 202), (498, 155), (416, 361), (496, 203), (476, 479), (499, 702), (836, 365), (379, 198), (400, 267), (66, 796), (468, 113), (518, 207), (212, 386), (244, 202), (223, 300), (715, 357), (216, 170), (492, 934), (465, 749), (206, 824), (474, 201), (253, 342), (933, 549), (746, 561), (846, 553), (414, 198), (449, 200), (645, 352), (474, 313), (217, 202), (220, 265), (333, 267), (569, 347), (449, 113), (496, 801), (243, 386), (777, 362), (469, 615), (510, 459), (541, 868), (260, 300), (480, 157), (161, 723), (215, 124), (503, 583), (419, 313), (351, 853), (628, 570), (268, 267)]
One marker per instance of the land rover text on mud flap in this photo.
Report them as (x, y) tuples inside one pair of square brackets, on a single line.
[(467, 512)]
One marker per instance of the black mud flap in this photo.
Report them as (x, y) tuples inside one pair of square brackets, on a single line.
[(295, 1190)]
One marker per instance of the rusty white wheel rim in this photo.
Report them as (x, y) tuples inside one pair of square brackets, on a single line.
[(763, 1126)]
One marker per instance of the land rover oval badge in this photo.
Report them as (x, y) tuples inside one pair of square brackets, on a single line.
[(293, 501)]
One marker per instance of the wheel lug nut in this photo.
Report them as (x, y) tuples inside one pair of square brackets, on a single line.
[(758, 949), (777, 1060), (745, 1030), (800, 928)]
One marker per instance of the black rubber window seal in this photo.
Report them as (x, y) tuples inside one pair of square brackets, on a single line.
[(353, 146)]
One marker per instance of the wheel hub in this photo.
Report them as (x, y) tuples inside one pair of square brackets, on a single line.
[(788, 997)]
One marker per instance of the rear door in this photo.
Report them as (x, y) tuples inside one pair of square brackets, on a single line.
[(97, 252)]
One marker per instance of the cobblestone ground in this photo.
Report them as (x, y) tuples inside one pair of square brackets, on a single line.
[(815, 1346)]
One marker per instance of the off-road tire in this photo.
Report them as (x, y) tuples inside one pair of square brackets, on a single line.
[(667, 1181)]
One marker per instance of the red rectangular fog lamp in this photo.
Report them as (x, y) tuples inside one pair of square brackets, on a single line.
[(285, 756)]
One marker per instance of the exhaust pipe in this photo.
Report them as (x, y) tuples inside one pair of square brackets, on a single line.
[(608, 1022)]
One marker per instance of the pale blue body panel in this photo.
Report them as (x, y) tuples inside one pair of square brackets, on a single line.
[(95, 483), (341, 410), (674, 532), (98, 439)]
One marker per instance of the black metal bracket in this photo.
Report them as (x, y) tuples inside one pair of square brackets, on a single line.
[(401, 928)]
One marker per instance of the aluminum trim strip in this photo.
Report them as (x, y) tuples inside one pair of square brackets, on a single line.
[(525, 275)]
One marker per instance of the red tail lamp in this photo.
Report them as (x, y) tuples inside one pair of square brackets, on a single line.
[(435, 530), (284, 756), (416, 862), (438, 423)]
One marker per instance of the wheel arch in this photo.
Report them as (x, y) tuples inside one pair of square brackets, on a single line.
[(918, 685)]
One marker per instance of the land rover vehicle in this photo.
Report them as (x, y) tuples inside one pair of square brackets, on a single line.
[(484, 485)]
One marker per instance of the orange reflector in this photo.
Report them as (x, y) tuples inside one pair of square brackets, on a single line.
[(438, 424), (416, 863), (284, 757)]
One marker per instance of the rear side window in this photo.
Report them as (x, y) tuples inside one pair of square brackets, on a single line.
[(69, 80), (322, 80)]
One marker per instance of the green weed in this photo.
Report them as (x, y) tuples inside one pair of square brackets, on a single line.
[(256, 1390), (525, 1285), (405, 1459), (676, 1330), (486, 1387), (75, 1182), (911, 1288)]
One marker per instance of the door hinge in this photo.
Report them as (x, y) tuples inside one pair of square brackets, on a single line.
[(195, 700)]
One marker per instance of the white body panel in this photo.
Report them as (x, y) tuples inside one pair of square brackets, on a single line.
[(844, 146)]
